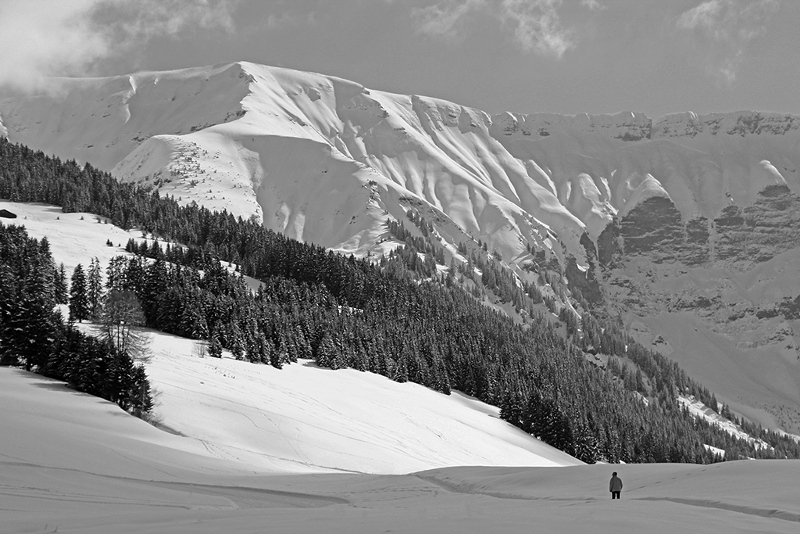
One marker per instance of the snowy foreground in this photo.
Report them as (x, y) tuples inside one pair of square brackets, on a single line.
[(76, 463)]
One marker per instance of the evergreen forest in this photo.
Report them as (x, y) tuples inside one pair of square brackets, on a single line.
[(34, 335), (395, 316)]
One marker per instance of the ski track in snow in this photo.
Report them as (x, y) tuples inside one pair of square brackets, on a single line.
[(747, 510), (454, 487)]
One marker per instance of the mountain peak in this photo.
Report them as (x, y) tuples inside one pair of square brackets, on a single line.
[(261, 141)]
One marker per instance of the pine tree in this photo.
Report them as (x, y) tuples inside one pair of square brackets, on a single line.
[(94, 289), (586, 448), (277, 355), (115, 273), (34, 323), (134, 275), (154, 284), (8, 299), (141, 402), (192, 322), (264, 349), (401, 371), (325, 354), (215, 347), (237, 342), (78, 298), (60, 285)]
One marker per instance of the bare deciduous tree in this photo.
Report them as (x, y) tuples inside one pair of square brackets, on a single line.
[(122, 322)]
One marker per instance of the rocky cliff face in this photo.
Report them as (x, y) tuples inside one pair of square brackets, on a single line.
[(737, 239), (741, 124), (736, 276), (745, 236), (623, 126)]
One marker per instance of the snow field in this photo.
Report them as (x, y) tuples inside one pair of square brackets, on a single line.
[(306, 419), (75, 463)]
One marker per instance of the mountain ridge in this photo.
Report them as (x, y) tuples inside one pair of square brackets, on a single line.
[(630, 209), (408, 139)]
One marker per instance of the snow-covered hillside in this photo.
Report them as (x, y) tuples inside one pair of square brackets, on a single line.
[(684, 218), (306, 419), (302, 418)]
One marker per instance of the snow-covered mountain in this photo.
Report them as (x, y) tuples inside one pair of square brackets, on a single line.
[(687, 227)]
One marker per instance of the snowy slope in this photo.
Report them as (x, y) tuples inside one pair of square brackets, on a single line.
[(301, 418), (74, 463), (306, 419)]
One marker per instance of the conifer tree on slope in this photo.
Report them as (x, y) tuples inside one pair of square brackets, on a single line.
[(33, 322), (37, 316), (215, 347), (78, 297), (7, 298), (94, 289), (60, 285)]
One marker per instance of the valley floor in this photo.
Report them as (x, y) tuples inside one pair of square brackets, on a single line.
[(76, 463)]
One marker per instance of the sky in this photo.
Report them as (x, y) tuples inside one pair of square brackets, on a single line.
[(560, 56)]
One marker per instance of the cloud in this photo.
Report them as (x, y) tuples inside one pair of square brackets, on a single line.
[(53, 40), (444, 20), (141, 20), (593, 5), (535, 24), (289, 18), (283, 20), (725, 28), (70, 37)]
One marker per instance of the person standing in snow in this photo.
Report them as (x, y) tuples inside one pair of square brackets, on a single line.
[(615, 486)]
